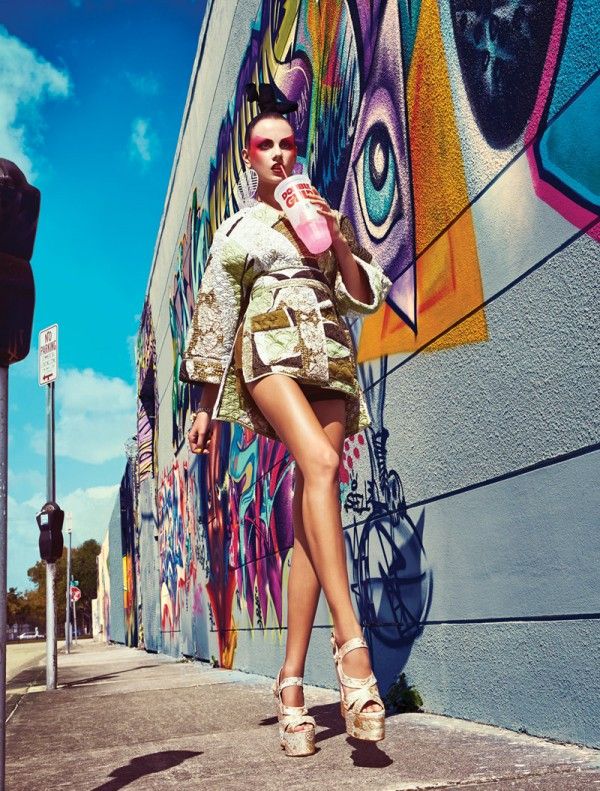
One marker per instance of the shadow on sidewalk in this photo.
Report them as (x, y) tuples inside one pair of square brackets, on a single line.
[(145, 765), (91, 679)]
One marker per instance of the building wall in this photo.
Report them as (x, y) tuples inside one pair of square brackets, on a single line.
[(115, 570), (470, 507), (103, 597)]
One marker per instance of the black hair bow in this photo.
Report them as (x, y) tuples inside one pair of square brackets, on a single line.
[(266, 99)]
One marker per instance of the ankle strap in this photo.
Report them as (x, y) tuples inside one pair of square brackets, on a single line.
[(291, 681), (349, 645)]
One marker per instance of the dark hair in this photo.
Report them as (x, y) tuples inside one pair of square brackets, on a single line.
[(260, 117), (269, 105)]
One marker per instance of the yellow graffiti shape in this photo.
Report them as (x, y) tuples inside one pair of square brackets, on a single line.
[(448, 279)]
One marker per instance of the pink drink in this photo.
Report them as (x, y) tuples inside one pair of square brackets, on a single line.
[(315, 234), (292, 195)]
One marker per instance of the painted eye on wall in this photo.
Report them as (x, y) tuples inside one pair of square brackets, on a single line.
[(377, 186)]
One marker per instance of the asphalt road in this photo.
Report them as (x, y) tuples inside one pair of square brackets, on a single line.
[(23, 654), (25, 667)]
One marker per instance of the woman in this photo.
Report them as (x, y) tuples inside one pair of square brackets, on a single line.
[(267, 340)]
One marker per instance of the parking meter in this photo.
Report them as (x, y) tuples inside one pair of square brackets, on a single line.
[(50, 521)]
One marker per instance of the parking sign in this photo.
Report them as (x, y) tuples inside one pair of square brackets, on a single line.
[(48, 354)]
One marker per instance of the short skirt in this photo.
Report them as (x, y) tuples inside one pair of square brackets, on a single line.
[(315, 393)]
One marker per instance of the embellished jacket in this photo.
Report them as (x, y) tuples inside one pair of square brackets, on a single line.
[(267, 305)]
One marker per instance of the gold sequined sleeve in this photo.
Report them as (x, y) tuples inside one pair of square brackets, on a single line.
[(210, 335)]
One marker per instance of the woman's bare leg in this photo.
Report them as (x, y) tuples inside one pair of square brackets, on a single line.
[(284, 405), (303, 593), (304, 587)]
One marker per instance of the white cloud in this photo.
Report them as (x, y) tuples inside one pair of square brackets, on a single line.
[(143, 143), (132, 346), (27, 81), (31, 479), (90, 509), (27, 368), (23, 536), (96, 414), (144, 84)]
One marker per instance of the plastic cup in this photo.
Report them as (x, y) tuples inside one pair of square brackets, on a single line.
[(292, 194)]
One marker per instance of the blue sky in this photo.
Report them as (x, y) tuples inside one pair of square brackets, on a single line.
[(91, 98)]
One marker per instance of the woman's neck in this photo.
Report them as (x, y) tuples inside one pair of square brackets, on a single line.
[(266, 194)]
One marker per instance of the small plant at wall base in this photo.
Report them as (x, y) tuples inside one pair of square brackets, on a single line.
[(401, 697)]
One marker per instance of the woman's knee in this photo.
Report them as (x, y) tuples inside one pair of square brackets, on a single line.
[(320, 464)]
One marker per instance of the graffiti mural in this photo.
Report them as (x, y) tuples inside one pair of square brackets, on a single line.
[(502, 49), (559, 166), (181, 304), (389, 572), (147, 397), (130, 553), (228, 536), (181, 577), (407, 112)]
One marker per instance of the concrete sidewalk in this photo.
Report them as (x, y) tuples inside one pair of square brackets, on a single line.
[(124, 718)]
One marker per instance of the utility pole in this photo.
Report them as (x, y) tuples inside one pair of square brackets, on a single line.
[(19, 211), (51, 653), (50, 518)]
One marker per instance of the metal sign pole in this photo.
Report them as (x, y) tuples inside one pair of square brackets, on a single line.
[(3, 538), (74, 622), (67, 610), (51, 656)]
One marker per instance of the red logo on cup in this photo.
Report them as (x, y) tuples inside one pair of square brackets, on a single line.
[(297, 192), (289, 197), (307, 190)]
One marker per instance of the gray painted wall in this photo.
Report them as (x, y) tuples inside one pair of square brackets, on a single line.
[(482, 585)]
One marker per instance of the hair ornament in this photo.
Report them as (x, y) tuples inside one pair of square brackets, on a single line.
[(267, 100)]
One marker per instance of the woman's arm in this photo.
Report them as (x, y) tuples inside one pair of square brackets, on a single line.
[(199, 433), (360, 285), (212, 328), (354, 277), (213, 324)]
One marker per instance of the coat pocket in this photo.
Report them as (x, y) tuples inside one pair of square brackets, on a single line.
[(271, 320), (275, 340)]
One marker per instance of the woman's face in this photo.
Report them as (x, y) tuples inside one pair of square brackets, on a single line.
[(271, 144)]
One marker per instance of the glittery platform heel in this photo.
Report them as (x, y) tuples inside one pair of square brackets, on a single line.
[(295, 743), (367, 725)]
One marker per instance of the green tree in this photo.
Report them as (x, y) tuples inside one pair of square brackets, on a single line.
[(14, 607), (83, 569)]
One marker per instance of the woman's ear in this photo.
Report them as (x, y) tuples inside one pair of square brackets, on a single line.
[(245, 157)]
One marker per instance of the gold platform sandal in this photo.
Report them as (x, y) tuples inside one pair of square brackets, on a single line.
[(367, 725), (295, 743)]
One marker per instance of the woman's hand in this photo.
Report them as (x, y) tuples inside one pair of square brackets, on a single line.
[(325, 209), (200, 433)]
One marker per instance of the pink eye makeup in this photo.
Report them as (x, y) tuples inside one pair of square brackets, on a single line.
[(258, 143)]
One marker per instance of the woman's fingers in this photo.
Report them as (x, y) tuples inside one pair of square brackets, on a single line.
[(318, 199), (199, 435), (200, 444)]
